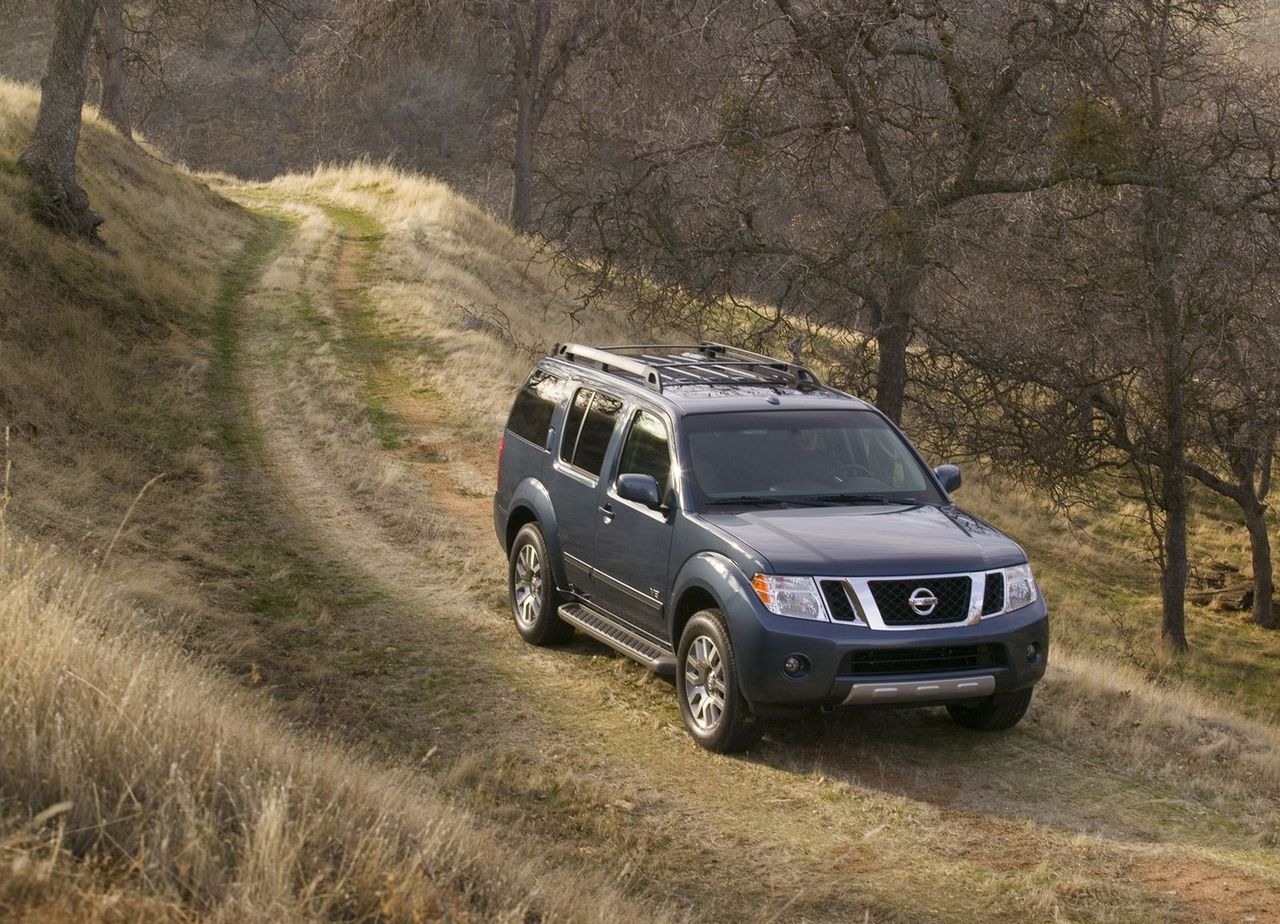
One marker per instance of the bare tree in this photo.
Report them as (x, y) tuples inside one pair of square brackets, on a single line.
[(830, 152), (1237, 444), (543, 38), (532, 44), (111, 53), (1143, 328), (50, 156)]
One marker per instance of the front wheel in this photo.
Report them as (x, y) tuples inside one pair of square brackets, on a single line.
[(532, 588), (714, 709), (996, 713)]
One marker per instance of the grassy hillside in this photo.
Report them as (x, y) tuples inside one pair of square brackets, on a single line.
[(283, 684), (138, 782)]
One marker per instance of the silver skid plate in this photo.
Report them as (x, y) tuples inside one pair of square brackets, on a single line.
[(921, 691)]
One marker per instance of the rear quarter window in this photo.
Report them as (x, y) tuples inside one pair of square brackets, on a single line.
[(531, 414)]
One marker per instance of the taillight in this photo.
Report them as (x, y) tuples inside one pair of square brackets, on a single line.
[(502, 442)]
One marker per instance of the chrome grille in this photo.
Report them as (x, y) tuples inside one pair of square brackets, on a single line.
[(893, 598)]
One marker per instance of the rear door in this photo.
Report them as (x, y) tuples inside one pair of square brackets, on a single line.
[(585, 440), (633, 542)]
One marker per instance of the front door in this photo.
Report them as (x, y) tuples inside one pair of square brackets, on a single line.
[(633, 542)]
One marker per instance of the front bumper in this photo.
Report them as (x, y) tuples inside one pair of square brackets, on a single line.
[(854, 664)]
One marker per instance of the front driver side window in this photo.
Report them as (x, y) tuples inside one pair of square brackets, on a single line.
[(647, 451)]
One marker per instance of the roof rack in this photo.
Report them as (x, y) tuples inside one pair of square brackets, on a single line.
[(661, 366)]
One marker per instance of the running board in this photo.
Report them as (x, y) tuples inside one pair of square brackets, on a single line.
[(618, 638)]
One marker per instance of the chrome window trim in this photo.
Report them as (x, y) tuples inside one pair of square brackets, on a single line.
[(864, 601)]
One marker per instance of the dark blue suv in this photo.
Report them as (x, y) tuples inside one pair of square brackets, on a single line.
[(775, 544)]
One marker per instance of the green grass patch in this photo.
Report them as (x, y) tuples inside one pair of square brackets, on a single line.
[(231, 427), (364, 340)]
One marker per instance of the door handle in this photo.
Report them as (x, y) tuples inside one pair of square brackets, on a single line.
[(606, 510)]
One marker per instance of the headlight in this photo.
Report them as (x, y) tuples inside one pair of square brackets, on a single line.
[(1019, 588), (790, 596)]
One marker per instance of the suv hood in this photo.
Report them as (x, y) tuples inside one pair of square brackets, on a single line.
[(870, 541)]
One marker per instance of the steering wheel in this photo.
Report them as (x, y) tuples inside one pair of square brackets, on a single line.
[(853, 468)]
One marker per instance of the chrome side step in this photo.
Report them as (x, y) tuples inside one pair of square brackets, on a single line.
[(921, 691), (619, 638)]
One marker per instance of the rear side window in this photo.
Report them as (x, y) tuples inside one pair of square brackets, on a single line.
[(646, 451), (531, 414), (588, 430)]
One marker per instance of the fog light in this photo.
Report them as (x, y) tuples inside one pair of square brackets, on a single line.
[(796, 666), (1033, 652)]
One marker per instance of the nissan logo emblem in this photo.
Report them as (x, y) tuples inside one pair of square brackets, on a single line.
[(923, 601)]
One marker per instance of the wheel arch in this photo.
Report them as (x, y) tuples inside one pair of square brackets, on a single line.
[(708, 579), (693, 599), (520, 516), (531, 503)]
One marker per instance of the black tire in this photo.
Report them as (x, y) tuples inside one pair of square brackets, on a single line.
[(730, 726), (531, 588), (996, 713)]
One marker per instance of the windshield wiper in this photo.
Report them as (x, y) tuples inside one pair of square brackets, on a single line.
[(750, 500), (801, 500), (852, 499)]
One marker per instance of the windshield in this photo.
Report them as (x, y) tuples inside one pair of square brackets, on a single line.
[(802, 458)]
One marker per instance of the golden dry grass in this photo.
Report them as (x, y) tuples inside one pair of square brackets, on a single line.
[(127, 769), (138, 782)]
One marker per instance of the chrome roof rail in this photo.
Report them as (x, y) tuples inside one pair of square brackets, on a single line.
[(664, 365)]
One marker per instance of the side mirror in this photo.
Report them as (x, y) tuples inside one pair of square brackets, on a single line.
[(640, 489), (949, 475)]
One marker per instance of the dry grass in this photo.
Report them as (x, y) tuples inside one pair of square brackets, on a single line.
[(163, 779), (453, 276), (103, 362), (138, 782)]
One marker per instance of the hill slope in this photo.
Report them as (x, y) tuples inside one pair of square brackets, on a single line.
[(322, 380), (137, 782)]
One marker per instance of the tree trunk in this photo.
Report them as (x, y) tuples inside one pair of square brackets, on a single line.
[(522, 165), (1255, 520), (111, 56), (892, 337), (1173, 582), (50, 158), (893, 333)]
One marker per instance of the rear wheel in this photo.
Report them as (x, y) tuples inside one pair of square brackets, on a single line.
[(996, 713), (532, 589), (714, 709)]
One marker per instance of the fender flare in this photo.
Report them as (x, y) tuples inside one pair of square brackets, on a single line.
[(531, 498), (724, 582)]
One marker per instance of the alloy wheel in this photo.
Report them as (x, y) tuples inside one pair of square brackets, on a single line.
[(528, 586), (704, 687)]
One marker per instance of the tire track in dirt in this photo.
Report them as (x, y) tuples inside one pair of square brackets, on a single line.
[(770, 870)]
